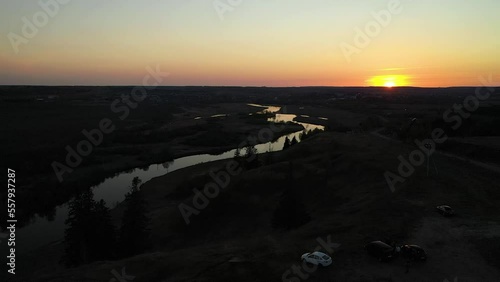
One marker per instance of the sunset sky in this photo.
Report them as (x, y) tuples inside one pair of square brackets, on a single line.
[(256, 43)]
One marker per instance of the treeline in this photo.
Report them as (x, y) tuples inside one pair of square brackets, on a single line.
[(247, 157), (303, 136), (91, 236)]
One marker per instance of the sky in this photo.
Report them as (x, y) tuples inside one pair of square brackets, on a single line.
[(424, 43)]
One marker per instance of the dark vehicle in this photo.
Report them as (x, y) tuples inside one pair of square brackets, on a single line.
[(413, 252), (445, 210), (380, 250)]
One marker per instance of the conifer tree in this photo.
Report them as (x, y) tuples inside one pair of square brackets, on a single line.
[(134, 232), (286, 144), (89, 235), (251, 157)]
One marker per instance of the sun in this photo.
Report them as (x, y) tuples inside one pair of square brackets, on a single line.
[(389, 84)]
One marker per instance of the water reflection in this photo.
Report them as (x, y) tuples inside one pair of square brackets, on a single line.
[(291, 118), (267, 109), (218, 115), (167, 164)]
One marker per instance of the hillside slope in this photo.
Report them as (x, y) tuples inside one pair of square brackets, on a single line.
[(339, 180)]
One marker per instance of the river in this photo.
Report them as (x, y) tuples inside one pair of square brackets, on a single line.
[(41, 231)]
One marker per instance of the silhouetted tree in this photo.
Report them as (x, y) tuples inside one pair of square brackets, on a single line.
[(293, 141), (89, 235), (286, 144), (267, 158), (251, 157), (133, 232), (76, 237), (307, 134), (303, 135), (105, 234), (237, 153), (238, 158)]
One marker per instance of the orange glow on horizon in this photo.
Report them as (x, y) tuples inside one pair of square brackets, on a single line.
[(389, 81)]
